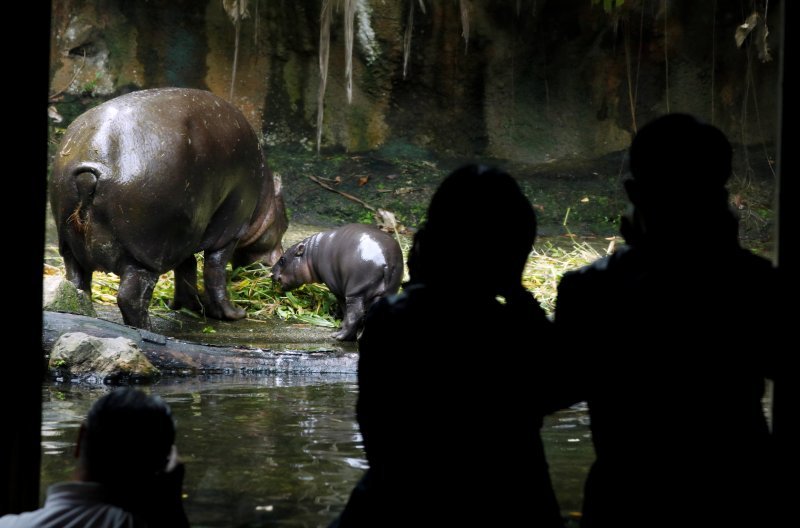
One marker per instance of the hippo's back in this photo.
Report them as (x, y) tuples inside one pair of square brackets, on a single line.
[(159, 175), (359, 258)]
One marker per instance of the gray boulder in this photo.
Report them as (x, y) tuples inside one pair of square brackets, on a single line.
[(81, 357)]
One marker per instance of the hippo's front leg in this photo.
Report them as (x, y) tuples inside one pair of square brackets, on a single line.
[(353, 312), (218, 305), (135, 292), (186, 286)]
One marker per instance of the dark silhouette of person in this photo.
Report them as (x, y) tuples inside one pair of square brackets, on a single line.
[(670, 343), (451, 378), (128, 473)]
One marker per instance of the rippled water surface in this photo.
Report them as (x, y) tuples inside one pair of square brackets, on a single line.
[(267, 451)]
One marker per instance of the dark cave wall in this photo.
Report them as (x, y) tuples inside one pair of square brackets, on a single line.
[(536, 81)]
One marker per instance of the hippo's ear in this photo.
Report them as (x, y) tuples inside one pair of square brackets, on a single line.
[(301, 248)]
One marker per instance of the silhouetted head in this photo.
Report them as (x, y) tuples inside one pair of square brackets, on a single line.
[(679, 168), (127, 438), (480, 227)]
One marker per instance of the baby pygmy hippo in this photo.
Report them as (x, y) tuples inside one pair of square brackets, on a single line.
[(359, 264)]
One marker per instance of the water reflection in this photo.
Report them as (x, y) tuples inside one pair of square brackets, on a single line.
[(569, 450), (275, 451), (258, 451)]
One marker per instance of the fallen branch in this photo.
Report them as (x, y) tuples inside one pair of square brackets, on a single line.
[(386, 219), (346, 195)]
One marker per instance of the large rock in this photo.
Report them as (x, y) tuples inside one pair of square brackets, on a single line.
[(60, 295), (76, 355)]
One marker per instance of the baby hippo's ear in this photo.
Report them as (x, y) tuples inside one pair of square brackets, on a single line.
[(301, 248)]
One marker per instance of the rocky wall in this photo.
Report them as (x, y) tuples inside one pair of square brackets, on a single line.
[(530, 81)]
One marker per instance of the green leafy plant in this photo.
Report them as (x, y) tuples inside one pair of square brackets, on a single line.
[(253, 288), (311, 304), (366, 217), (250, 287)]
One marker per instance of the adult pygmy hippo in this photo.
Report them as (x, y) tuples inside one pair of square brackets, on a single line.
[(146, 180), (358, 263)]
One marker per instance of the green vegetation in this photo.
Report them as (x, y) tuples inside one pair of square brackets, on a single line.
[(549, 262), (366, 217), (90, 86), (253, 289), (250, 287)]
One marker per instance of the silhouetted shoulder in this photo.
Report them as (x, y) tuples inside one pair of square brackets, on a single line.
[(595, 285)]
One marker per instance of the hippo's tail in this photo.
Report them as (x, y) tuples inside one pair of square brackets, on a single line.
[(85, 178)]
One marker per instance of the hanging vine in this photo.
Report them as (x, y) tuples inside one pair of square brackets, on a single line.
[(349, 31), (756, 25), (255, 25), (631, 97), (237, 10), (324, 54), (407, 37), (633, 84), (464, 8), (326, 15), (407, 33)]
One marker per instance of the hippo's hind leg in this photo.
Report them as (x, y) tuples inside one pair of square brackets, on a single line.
[(186, 286), (353, 314), (217, 304), (135, 291), (76, 274)]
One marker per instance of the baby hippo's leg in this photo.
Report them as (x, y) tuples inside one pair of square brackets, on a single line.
[(353, 314)]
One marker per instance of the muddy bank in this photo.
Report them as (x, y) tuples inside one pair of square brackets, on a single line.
[(274, 334)]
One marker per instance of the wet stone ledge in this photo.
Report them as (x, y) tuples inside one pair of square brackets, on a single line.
[(315, 354)]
